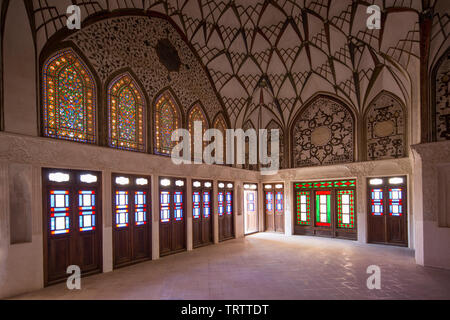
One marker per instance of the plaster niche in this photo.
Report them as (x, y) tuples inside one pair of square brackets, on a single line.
[(385, 128), (323, 134)]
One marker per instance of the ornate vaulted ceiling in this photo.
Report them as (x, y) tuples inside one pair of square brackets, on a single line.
[(282, 53)]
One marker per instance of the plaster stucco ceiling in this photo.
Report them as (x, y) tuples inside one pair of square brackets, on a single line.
[(283, 52)]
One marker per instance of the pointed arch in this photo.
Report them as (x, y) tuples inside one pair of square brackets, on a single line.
[(248, 125), (323, 133), (273, 125), (167, 119), (221, 124), (126, 114), (440, 99), (385, 128), (197, 114), (69, 98)]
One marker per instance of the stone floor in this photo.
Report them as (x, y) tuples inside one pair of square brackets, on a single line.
[(267, 266)]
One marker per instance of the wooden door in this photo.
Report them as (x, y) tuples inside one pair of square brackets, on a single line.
[(225, 198), (270, 210), (251, 212), (387, 211), (274, 208), (72, 223), (279, 210), (172, 226), (202, 213), (131, 219)]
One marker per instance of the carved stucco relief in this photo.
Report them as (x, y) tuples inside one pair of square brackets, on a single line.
[(323, 134)]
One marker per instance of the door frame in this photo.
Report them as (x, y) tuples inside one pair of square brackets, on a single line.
[(73, 185), (249, 187), (274, 189), (406, 216), (202, 188), (132, 187), (325, 185), (173, 188), (228, 186)]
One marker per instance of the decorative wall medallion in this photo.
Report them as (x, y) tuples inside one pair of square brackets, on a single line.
[(168, 55), (385, 128), (442, 99), (323, 134)]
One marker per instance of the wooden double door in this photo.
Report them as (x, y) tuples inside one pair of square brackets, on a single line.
[(172, 223), (132, 230), (225, 208), (72, 210), (202, 217), (387, 211), (274, 208)]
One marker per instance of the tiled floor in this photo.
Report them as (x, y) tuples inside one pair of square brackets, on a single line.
[(267, 266)]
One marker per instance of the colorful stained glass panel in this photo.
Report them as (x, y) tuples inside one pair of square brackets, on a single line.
[(126, 114), (69, 98)]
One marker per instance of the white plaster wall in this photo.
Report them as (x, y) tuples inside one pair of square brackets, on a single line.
[(432, 241), (19, 63), (21, 265)]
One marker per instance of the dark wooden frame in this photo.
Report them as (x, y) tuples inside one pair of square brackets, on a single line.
[(132, 187), (333, 231), (73, 185), (370, 219), (274, 191), (172, 188), (200, 221), (222, 236)]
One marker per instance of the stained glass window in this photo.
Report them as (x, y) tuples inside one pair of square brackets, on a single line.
[(221, 201), (279, 201), (196, 205), (229, 203), (140, 203), (86, 202), (250, 202), (269, 201), (303, 208), (167, 120), (377, 202), (121, 209), (346, 209), (396, 202), (126, 114), (178, 206), (206, 204), (165, 206), (323, 208), (197, 115), (59, 212), (69, 99)]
